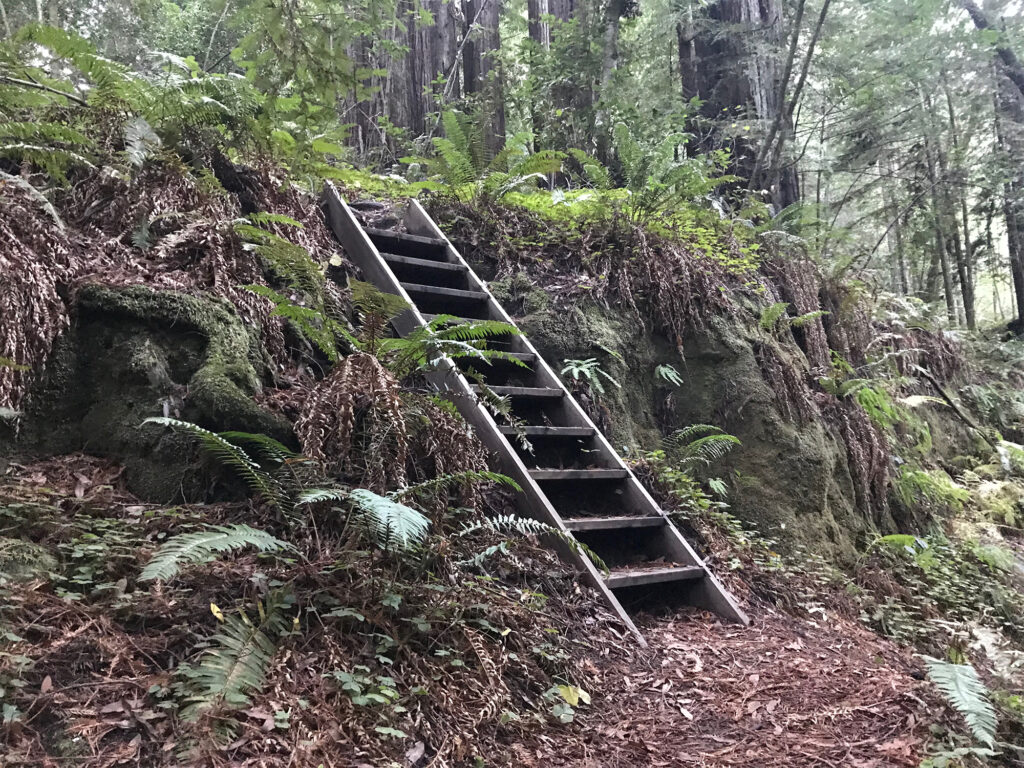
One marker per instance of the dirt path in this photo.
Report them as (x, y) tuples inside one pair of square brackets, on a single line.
[(783, 691)]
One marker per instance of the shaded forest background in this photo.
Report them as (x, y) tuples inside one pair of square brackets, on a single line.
[(886, 136)]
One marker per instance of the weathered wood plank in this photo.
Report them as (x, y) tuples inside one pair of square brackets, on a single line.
[(583, 524), (639, 577), (542, 431), (579, 474)]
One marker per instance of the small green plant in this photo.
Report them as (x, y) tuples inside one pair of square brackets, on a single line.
[(771, 314), (390, 525), (235, 665), (930, 489), (589, 371), (668, 374), (966, 693), (203, 546), (259, 480)]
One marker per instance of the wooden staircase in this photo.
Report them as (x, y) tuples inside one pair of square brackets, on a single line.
[(572, 480)]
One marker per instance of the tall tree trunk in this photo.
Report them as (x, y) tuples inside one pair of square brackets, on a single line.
[(738, 76), (482, 69), (1009, 125)]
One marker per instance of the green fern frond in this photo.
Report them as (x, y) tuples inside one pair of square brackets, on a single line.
[(595, 172), (318, 495), (966, 693), (387, 522), (259, 481), (770, 315), (392, 525), (321, 331), (236, 664), (203, 546), (525, 526), (801, 320), (267, 448), (291, 263)]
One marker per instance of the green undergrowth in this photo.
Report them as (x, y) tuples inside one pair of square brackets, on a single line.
[(494, 618)]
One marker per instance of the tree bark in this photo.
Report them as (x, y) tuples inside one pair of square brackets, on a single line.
[(738, 76), (1014, 69)]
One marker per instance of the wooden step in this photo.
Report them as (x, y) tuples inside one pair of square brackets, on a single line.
[(537, 392), (450, 293), (527, 358), (404, 244), (636, 577), (582, 524), (541, 431), (579, 474), (409, 261)]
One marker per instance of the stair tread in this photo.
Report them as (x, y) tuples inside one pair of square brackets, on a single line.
[(632, 577), (524, 391), (445, 266), (542, 431), (439, 291), (523, 357), (613, 523), (579, 474), (409, 238)]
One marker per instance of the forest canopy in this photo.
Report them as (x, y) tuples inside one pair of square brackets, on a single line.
[(886, 137)]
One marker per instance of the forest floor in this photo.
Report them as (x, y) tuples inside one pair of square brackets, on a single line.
[(798, 692), (812, 691)]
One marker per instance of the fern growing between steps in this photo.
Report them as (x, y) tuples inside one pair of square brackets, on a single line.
[(230, 455), (966, 693), (203, 546), (236, 664), (443, 336)]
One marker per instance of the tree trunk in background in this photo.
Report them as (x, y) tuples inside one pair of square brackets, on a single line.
[(1009, 124), (482, 69), (738, 77), (430, 75)]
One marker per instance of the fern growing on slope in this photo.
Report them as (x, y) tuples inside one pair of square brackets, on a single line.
[(230, 455), (203, 546), (390, 524), (967, 694), (525, 526), (698, 445), (236, 664)]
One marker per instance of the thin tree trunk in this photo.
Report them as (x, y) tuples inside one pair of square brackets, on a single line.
[(1012, 65), (965, 258), (3, 18)]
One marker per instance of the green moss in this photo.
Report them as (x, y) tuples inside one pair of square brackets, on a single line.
[(1002, 502), (519, 295), (222, 387), (134, 353)]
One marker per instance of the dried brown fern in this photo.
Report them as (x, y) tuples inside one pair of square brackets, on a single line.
[(35, 258), (358, 401)]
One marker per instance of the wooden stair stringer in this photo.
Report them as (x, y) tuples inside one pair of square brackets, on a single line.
[(706, 592), (710, 593), (532, 502)]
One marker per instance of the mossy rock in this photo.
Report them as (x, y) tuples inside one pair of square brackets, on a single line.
[(133, 353), (1002, 502), (791, 481), (989, 472)]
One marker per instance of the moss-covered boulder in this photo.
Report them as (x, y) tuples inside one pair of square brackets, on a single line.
[(790, 478), (132, 353), (1001, 502)]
